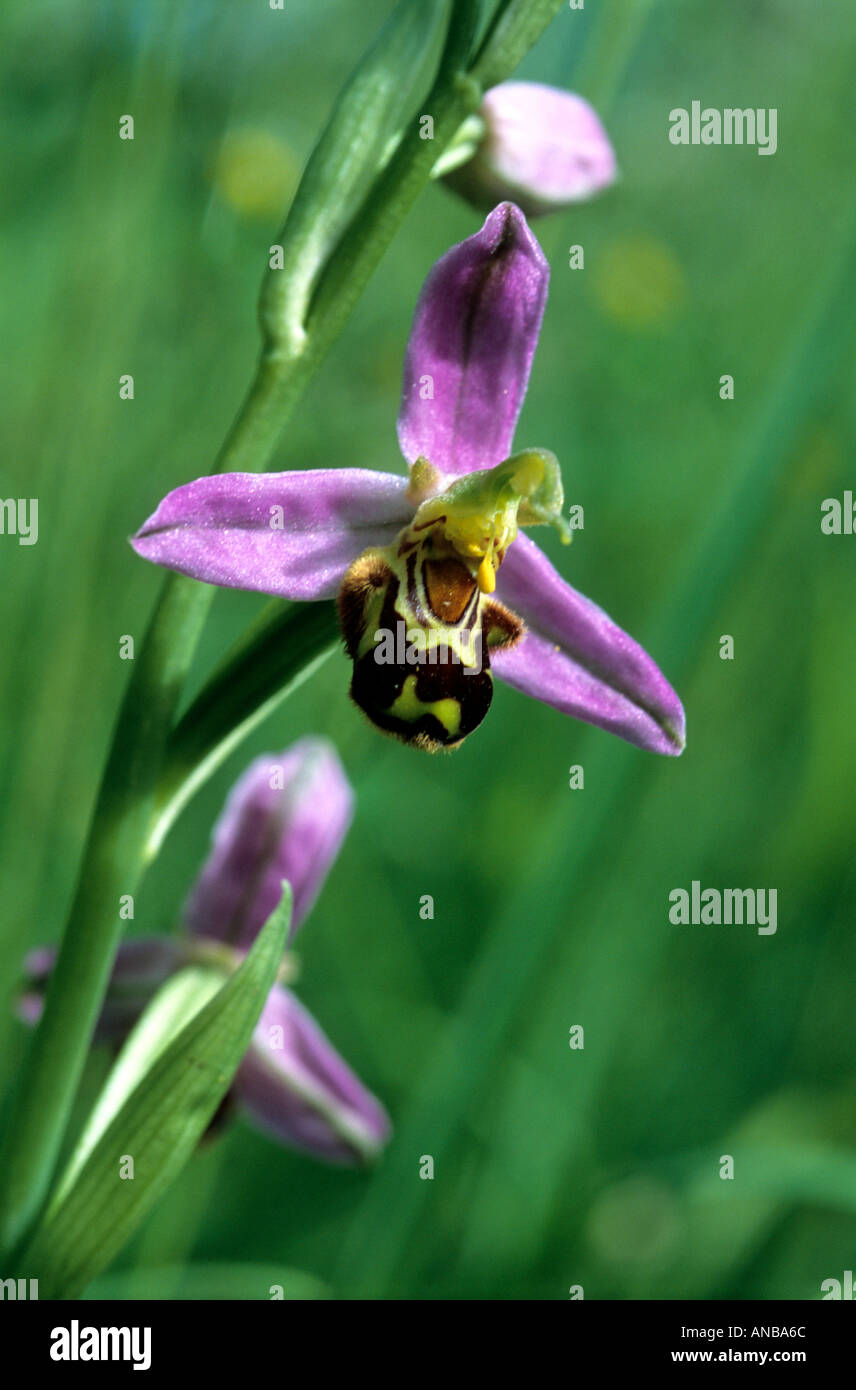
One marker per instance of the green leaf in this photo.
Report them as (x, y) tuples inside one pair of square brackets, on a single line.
[(353, 147), (112, 865), (158, 1125), (277, 654), (178, 1000), (453, 98), (516, 26)]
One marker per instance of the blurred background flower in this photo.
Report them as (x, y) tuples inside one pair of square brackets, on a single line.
[(638, 282), (284, 819), (254, 172)]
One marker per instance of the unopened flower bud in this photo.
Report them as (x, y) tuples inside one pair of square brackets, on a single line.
[(542, 148)]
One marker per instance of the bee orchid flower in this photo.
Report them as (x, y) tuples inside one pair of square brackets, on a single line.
[(436, 585), (285, 819)]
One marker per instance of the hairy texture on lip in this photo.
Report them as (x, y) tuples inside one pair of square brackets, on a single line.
[(368, 576), (418, 632)]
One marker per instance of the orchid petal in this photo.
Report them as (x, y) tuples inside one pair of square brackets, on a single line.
[(285, 818), (471, 346), (575, 658), (288, 534), (294, 1085), (139, 969), (542, 147)]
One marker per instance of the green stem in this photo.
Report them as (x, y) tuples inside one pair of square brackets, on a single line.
[(275, 390), (116, 849), (111, 868), (116, 852)]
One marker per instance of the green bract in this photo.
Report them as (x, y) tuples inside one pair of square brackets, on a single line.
[(349, 153), (156, 1105)]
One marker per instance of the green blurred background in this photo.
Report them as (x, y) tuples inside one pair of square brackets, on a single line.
[(553, 1167)]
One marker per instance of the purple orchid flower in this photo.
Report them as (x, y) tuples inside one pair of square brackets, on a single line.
[(544, 148), (414, 563), (285, 818)]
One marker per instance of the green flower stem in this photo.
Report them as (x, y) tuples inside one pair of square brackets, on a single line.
[(111, 868), (117, 848), (455, 97), (274, 392), (347, 157), (116, 852)]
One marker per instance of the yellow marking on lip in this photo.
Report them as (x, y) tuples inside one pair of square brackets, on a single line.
[(486, 576), (409, 707)]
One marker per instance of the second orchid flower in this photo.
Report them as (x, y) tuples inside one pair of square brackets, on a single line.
[(285, 818)]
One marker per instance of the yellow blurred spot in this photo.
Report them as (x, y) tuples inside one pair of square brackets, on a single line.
[(638, 282), (255, 173)]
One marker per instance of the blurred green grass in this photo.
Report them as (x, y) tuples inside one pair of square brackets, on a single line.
[(553, 1167)]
